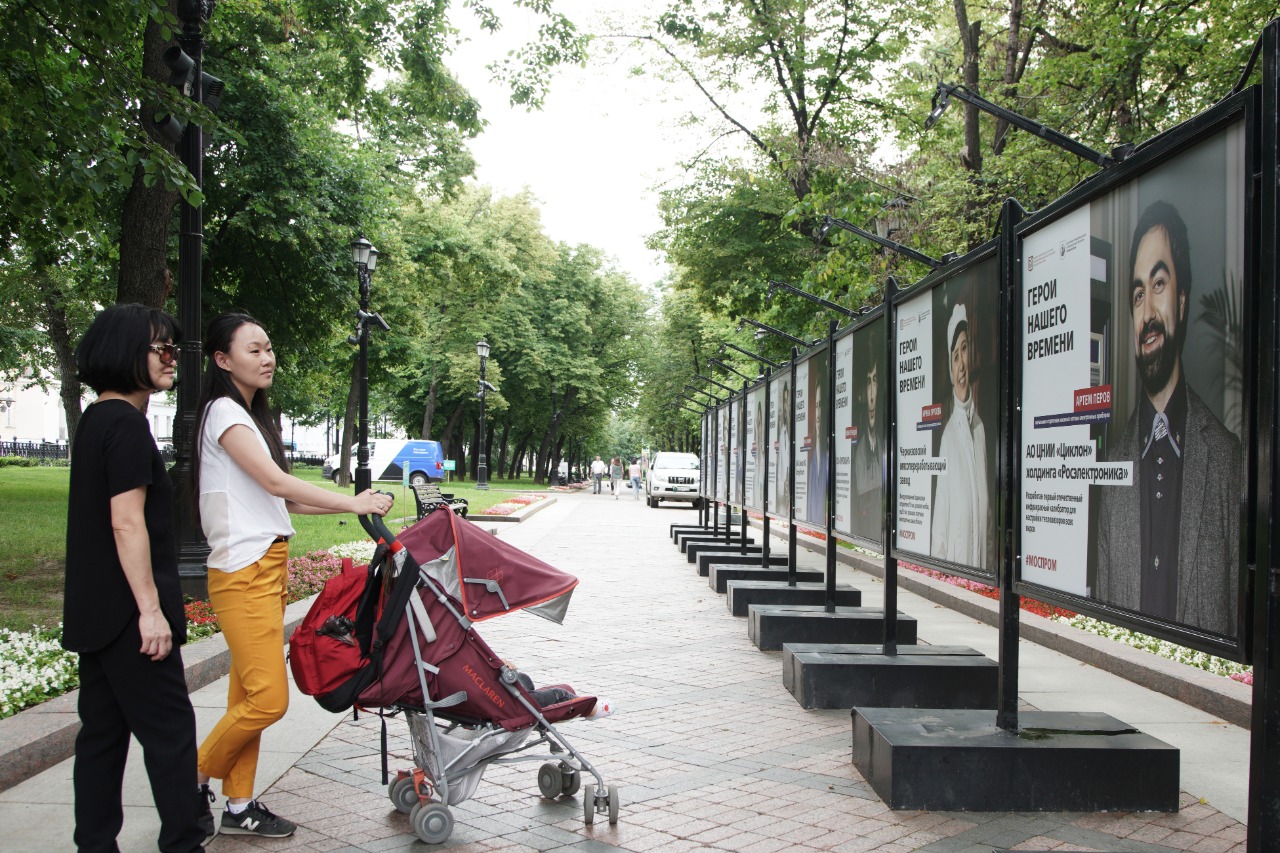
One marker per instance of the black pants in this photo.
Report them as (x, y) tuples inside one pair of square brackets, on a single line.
[(122, 691)]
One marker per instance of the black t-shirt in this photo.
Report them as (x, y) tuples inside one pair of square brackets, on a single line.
[(114, 452)]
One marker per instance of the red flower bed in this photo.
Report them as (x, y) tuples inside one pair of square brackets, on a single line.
[(1028, 604)]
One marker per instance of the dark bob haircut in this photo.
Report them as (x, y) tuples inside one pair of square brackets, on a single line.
[(112, 355)]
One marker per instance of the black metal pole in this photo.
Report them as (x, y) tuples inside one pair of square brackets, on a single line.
[(482, 458), (791, 476), (829, 436), (888, 470), (193, 551), (742, 472), (704, 471), (1008, 471), (364, 477), (1264, 740), (715, 473), (728, 480), (764, 441)]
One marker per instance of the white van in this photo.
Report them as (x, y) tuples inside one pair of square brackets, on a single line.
[(673, 477), (389, 458)]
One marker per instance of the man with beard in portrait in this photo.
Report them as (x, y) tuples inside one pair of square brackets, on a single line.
[(1184, 502)]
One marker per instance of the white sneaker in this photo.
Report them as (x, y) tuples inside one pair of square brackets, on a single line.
[(604, 708)]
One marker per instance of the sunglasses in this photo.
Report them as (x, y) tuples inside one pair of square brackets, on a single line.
[(168, 352)]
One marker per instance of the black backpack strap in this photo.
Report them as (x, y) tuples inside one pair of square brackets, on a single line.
[(403, 586)]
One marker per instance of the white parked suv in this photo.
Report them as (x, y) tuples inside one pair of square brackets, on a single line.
[(673, 477)]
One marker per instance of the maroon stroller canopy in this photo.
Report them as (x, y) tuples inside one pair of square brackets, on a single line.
[(487, 575)]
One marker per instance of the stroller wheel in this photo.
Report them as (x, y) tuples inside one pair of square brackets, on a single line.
[(613, 804), (572, 780), (431, 822), (550, 780), (589, 803), (403, 795)]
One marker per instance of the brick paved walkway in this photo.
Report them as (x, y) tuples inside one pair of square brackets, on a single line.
[(709, 750)]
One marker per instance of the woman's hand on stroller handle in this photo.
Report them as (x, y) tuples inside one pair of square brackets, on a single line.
[(370, 506)]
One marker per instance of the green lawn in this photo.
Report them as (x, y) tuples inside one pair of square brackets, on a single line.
[(33, 530)]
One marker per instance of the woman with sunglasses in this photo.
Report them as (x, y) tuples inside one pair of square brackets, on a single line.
[(122, 605), (245, 496)]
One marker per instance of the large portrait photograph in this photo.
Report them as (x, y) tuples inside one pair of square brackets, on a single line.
[(755, 425), (802, 442), (819, 465), (947, 382), (865, 436), (1132, 479), (782, 405)]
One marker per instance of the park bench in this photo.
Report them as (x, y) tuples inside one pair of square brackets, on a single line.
[(429, 498)]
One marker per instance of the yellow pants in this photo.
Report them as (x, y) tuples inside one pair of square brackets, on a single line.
[(250, 606)]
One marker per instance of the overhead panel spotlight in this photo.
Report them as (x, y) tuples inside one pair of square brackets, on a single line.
[(941, 100)]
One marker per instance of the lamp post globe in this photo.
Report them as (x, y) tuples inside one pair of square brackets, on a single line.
[(482, 459)]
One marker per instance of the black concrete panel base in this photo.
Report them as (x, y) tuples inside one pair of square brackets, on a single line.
[(705, 528), (770, 626), (684, 540), (735, 546), (731, 557), (846, 676), (720, 573), (741, 594), (958, 760)]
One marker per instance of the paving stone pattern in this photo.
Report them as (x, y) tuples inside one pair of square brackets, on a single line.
[(708, 749)]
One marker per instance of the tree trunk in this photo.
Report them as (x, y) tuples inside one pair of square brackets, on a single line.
[(518, 456), (502, 447), (429, 410), (970, 34), (1011, 52), (447, 437), (60, 337), (348, 428), (147, 211)]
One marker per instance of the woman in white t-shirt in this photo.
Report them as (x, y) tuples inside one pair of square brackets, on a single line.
[(245, 497)]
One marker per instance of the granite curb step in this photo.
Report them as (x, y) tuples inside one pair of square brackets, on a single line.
[(36, 739)]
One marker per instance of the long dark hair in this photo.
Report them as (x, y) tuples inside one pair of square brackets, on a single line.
[(217, 383)]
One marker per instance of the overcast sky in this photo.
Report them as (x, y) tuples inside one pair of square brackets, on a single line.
[(593, 155)]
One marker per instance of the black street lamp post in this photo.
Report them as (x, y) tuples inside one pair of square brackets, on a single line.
[(366, 260), (193, 551), (482, 459)]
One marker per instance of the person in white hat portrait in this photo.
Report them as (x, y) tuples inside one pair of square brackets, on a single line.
[(962, 504)]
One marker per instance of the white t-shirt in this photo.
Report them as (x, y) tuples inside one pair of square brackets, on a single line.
[(597, 467), (240, 518)]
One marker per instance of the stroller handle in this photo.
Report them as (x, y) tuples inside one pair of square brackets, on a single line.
[(375, 527)]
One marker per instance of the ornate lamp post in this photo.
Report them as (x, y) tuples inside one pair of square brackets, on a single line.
[(366, 261), (193, 551), (482, 460)]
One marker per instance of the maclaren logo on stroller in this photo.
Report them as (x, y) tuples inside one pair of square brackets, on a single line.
[(484, 687)]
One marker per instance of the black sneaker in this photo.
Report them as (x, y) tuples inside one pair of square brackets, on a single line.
[(204, 814), (257, 820)]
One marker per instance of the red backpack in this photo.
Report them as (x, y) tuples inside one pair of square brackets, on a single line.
[(337, 650), (325, 651)]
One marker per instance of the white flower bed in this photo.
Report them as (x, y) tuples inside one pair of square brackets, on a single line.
[(361, 550), (1181, 654), (33, 668)]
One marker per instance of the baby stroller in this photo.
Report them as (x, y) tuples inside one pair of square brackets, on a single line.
[(465, 707)]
